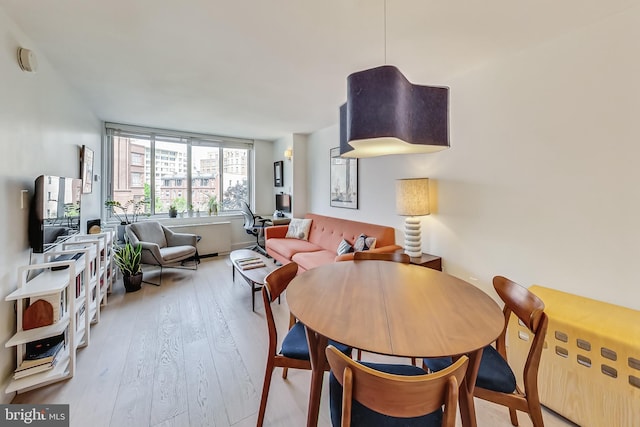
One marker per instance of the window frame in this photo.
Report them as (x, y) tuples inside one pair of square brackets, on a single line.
[(190, 140)]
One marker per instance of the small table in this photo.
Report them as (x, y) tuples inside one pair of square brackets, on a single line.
[(255, 276), (394, 309), (428, 260)]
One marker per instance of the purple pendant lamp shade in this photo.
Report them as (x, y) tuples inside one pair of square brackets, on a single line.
[(386, 114)]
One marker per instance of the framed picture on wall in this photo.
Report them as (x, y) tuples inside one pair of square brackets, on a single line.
[(344, 180), (86, 168), (277, 174)]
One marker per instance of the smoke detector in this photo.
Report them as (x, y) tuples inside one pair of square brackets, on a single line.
[(27, 60)]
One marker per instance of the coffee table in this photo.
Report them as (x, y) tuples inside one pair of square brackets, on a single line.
[(255, 276)]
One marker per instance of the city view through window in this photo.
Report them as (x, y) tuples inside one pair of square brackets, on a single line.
[(218, 180)]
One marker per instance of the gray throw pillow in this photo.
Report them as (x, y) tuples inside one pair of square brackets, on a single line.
[(344, 247)]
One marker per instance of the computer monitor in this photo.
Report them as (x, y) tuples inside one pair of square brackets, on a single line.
[(283, 202)]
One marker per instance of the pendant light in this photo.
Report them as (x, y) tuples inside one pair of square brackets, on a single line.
[(386, 114)]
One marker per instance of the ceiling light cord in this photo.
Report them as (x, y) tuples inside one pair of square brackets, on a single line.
[(385, 32)]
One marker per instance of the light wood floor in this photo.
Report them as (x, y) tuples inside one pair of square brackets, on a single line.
[(191, 352)]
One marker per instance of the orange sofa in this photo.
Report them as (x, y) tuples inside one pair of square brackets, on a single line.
[(325, 235)]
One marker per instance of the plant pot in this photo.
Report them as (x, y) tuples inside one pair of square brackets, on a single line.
[(132, 283), (121, 231), (173, 213)]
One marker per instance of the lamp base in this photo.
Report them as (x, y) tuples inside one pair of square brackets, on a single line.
[(412, 237)]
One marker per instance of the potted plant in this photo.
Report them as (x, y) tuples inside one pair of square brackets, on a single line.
[(213, 205), (173, 211), (121, 212), (127, 258)]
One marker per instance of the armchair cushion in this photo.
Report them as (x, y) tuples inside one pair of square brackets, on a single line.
[(149, 231)]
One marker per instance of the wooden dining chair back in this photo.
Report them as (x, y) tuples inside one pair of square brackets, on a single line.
[(401, 396), (530, 310), (294, 350), (377, 256), (275, 283)]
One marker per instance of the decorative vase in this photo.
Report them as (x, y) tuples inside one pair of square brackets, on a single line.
[(133, 282), (120, 232)]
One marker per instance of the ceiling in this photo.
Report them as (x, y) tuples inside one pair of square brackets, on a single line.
[(266, 68)]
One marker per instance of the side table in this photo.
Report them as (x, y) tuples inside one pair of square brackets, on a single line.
[(427, 260)]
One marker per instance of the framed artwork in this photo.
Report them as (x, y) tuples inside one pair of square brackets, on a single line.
[(86, 166), (277, 174), (344, 181)]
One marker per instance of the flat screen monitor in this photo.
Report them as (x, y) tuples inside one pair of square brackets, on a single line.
[(283, 203), (55, 211)]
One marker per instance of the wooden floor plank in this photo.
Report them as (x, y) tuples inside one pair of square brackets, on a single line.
[(133, 404), (169, 384), (204, 395)]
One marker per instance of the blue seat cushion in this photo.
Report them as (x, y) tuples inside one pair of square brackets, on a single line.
[(363, 416), (494, 373), (295, 344)]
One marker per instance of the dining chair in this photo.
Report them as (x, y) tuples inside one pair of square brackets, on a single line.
[(376, 394), (496, 381), (294, 351), (394, 256)]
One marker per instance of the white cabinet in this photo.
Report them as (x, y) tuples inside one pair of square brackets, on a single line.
[(49, 284)]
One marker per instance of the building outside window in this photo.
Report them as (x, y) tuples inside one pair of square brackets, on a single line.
[(169, 167)]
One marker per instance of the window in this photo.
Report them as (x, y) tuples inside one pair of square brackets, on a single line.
[(136, 180), (168, 167)]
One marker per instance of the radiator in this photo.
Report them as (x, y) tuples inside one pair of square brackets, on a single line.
[(590, 366), (215, 237)]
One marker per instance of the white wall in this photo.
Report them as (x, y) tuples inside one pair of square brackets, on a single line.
[(541, 181), (294, 171), (42, 126)]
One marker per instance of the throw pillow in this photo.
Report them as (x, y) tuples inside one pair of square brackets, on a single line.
[(299, 229), (364, 243), (344, 247)]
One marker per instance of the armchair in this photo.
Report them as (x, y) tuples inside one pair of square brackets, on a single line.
[(161, 246)]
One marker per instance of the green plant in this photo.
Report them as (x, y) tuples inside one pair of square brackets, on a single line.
[(212, 203), (121, 211), (127, 258)]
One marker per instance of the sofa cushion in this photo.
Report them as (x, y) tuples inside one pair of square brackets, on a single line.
[(299, 229), (364, 243), (309, 260), (344, 247), (289, 247)]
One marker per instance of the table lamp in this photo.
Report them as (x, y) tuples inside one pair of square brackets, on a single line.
[(412, 200)]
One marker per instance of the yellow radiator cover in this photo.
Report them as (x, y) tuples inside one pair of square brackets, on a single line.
[(590, 366)]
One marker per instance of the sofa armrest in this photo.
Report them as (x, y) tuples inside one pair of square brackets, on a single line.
[(383, 250), (275, 232)]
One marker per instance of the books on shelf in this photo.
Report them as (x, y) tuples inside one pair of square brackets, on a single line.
[(249, 263), (40, 356)]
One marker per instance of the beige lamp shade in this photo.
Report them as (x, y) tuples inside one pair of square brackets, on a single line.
[(412, 196)]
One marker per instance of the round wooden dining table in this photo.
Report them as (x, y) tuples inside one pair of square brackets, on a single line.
[(393, 309)]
